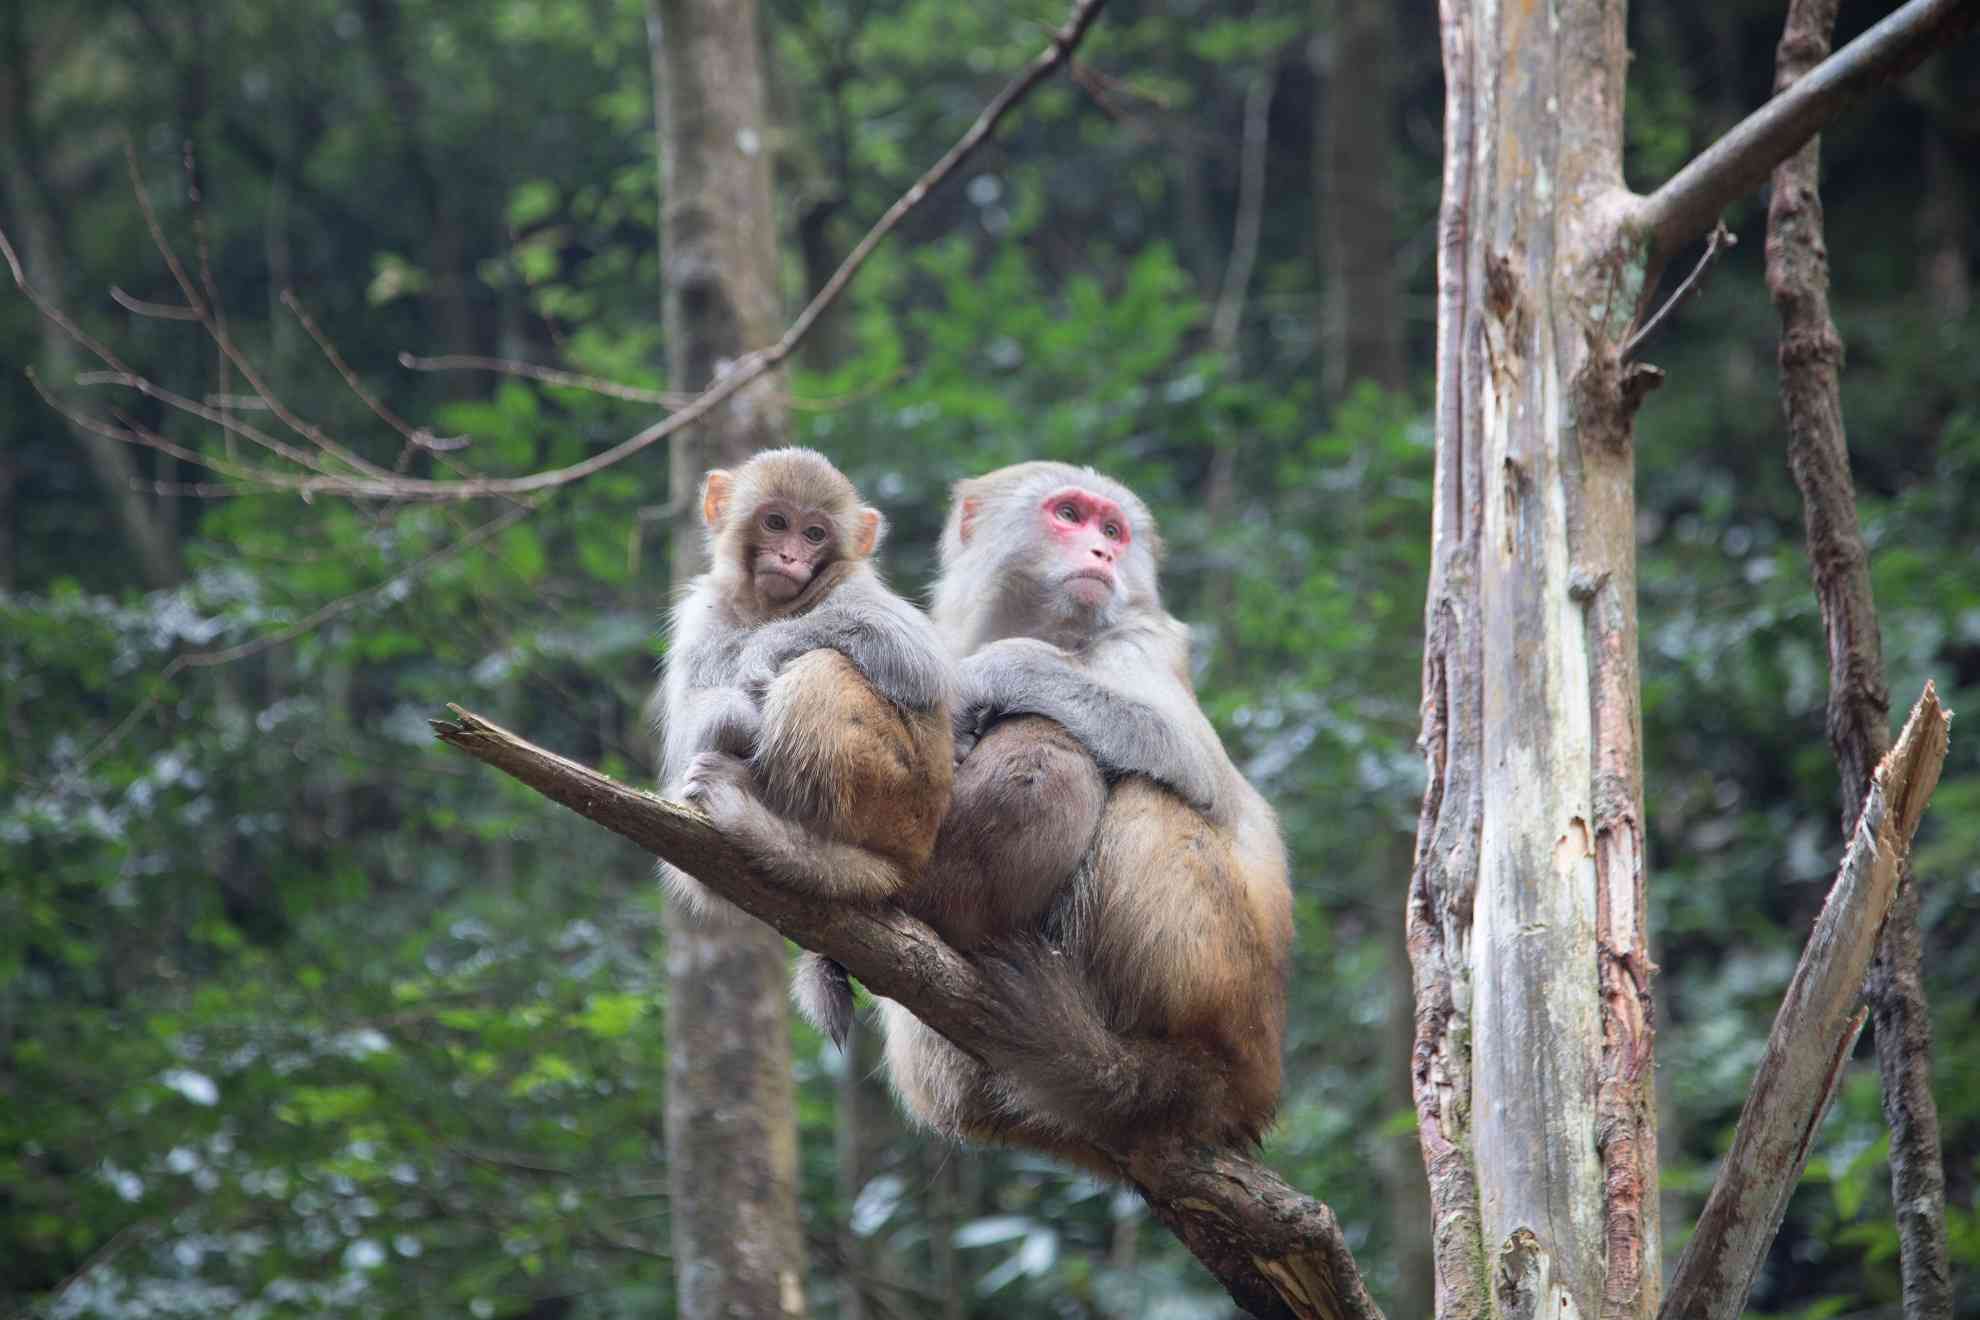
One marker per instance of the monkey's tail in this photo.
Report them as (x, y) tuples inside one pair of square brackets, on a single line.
[(1080, 1074), (823, 993)]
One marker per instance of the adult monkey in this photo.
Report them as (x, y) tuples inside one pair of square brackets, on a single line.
[(807, 707), (1125, 883)]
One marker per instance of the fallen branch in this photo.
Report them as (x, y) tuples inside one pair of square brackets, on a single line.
[(1809, 1046), (1280, 1253)]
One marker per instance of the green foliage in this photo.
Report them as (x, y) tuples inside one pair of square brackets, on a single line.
[(300, 1015)]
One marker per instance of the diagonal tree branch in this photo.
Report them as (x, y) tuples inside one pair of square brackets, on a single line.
[(1811, 356), (1279, 1253), (1686, 206), (1809, 1046)]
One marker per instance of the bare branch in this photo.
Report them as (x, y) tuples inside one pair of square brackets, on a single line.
[(1280, 1253), (570, 380), (155, 310), (1250, 213), (213, 321), (1692, 199), (1810, 1043)]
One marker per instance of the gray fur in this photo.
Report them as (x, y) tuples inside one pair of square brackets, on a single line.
[(1125, 734)]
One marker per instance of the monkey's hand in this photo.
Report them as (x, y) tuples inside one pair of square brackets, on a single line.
[(718, 784), (1125, 734), (895, 652)]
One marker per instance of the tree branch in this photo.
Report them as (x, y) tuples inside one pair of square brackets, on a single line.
[(1813, 1033), (1278, 1252), (1688, 204)]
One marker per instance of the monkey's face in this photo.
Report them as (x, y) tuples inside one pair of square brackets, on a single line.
[(789, 544), (1084, 536)]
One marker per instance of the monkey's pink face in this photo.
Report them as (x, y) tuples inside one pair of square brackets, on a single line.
[(1085, 536), (792, 544)]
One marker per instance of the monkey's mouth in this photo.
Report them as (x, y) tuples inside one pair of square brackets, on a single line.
[(1090, 586), (778, 585)]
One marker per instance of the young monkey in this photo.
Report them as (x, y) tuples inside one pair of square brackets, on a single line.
[(807, 707), (1126, 884)]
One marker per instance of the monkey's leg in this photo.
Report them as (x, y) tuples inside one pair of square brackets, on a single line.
[(1186, 949), (1027, 801), (721, 785), (837, 755)]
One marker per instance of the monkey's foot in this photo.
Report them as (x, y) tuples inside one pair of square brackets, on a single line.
[(718, 783)]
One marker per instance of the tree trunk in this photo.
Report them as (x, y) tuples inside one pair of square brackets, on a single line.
[(1533, 1051), (731, 1111), (1361, 319)]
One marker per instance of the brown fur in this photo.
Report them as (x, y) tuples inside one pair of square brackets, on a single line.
[(856, 767)]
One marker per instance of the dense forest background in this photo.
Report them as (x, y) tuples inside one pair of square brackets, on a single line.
[(301, 1014)]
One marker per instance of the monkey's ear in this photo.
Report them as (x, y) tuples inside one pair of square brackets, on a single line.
[(966, 509), (868, 528), (716, 488)]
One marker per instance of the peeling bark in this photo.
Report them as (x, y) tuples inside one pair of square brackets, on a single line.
[(1533, 1059)]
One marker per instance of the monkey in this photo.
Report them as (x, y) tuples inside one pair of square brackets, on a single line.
[(1118, 879), (807, 707)]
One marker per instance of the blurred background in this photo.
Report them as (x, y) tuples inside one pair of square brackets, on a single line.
[(301, 1014)]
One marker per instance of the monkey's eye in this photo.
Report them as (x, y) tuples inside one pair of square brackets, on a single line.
[(776, 522), (815, 535), (1067, 513), (1112, 531)]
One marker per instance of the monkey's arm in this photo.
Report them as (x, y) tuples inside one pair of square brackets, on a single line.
[(714, 719), (1125, 734), (887, 640), (706, 707)]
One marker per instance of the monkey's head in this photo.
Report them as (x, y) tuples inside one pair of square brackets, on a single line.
[(776, 523), (1049, 547)]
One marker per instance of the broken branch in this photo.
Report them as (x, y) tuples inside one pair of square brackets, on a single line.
[(1813, 1033)]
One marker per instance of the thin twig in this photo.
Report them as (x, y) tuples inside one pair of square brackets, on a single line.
[(1250, 213), (613, 389), (570, 380), (1720, 239), (156, 310), (216, 328)]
